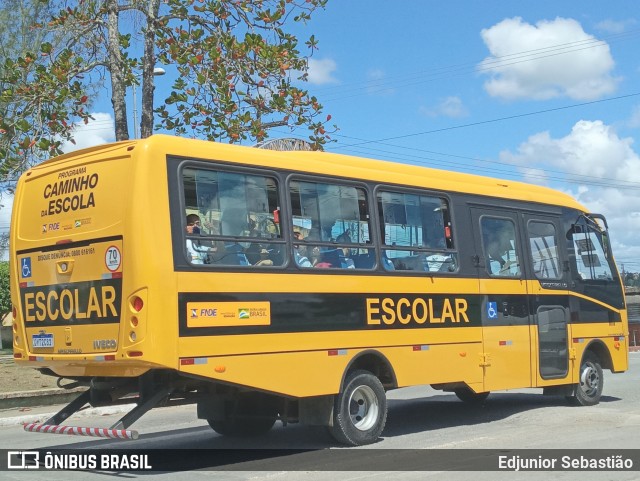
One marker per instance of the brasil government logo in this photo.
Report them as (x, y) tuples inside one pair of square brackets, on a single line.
[(243, 314)]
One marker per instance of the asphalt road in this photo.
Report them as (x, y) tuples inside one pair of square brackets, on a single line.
[(419, 419)]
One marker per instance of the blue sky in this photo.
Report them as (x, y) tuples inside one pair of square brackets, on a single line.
[(547, 92)]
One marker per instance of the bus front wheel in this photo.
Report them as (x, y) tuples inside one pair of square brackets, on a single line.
[(589, 389), (360, 410)]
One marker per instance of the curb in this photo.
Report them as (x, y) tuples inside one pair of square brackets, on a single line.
[(40, 417), (42, 397)]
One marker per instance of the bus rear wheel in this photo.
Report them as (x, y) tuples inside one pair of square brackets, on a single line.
[(360, 410), (247, 416), (467, 395), (589, 389)]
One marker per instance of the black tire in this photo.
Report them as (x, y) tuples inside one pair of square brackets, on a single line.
[(589, 389), (247, 416), (468, 396), (360, 410)]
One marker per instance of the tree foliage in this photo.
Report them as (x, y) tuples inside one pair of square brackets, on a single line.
[(240, 71), (35, 97), (632, 279), (5, 295), (236, 63)]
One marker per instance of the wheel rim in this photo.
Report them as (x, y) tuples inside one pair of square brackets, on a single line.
[(363, 408), (589, 379)]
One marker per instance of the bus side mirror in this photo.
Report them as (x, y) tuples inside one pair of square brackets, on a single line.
[(571, 231)]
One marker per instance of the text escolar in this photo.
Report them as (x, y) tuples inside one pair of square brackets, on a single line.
[(418, 310)]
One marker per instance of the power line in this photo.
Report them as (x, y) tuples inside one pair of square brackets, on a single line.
[(472, 66), (491, 63), (499, 119), (571, 178), (587, 179)]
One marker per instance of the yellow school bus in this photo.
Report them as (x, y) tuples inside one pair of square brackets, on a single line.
[(299, 286)]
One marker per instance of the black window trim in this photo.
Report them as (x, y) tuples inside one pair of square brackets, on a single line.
[(223, 166), (177, 163), (333, 180), (518, 238), (555, 223), (383, 187)]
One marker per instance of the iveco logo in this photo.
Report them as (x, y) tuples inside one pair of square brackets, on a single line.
[(105, 344)]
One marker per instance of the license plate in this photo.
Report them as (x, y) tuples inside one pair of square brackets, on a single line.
[(42, 340)]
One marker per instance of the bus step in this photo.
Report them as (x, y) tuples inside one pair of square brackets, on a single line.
[(117, 431)]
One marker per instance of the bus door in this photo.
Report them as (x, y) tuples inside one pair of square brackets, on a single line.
[(506, 356), (549, 300)]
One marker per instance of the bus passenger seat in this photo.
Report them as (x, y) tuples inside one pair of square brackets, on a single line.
[(365, 261), (331, 257), (233, 255)]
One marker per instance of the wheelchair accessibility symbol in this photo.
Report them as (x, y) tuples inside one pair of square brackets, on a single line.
[(492, 310), (25, 263)]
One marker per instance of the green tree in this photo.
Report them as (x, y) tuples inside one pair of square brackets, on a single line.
[(238, 71), (27, 94), (630, 279), (237, 68), (5, 296), (4, 243)]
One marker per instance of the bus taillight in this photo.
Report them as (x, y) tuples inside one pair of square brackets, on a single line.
[(137, 303)]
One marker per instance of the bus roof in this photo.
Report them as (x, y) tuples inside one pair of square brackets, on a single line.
[(337, 165)]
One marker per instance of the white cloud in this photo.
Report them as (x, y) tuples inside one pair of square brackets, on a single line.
[(634, 120), (613, 26), (6, 205), (376, 74), (592, 149), (448, 107), (377, 83), (321, 71), (98, 131), (608, 162), (535, 176), (549, 59)]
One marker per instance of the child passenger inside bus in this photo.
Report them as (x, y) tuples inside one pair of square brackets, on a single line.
[(299, 252), (197, 252), (234, 223), (346, 262)]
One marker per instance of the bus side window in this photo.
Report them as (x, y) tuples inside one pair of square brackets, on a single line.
[(544, 250), (416, 232), (239, 218), (500, 247), (330, 226)]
